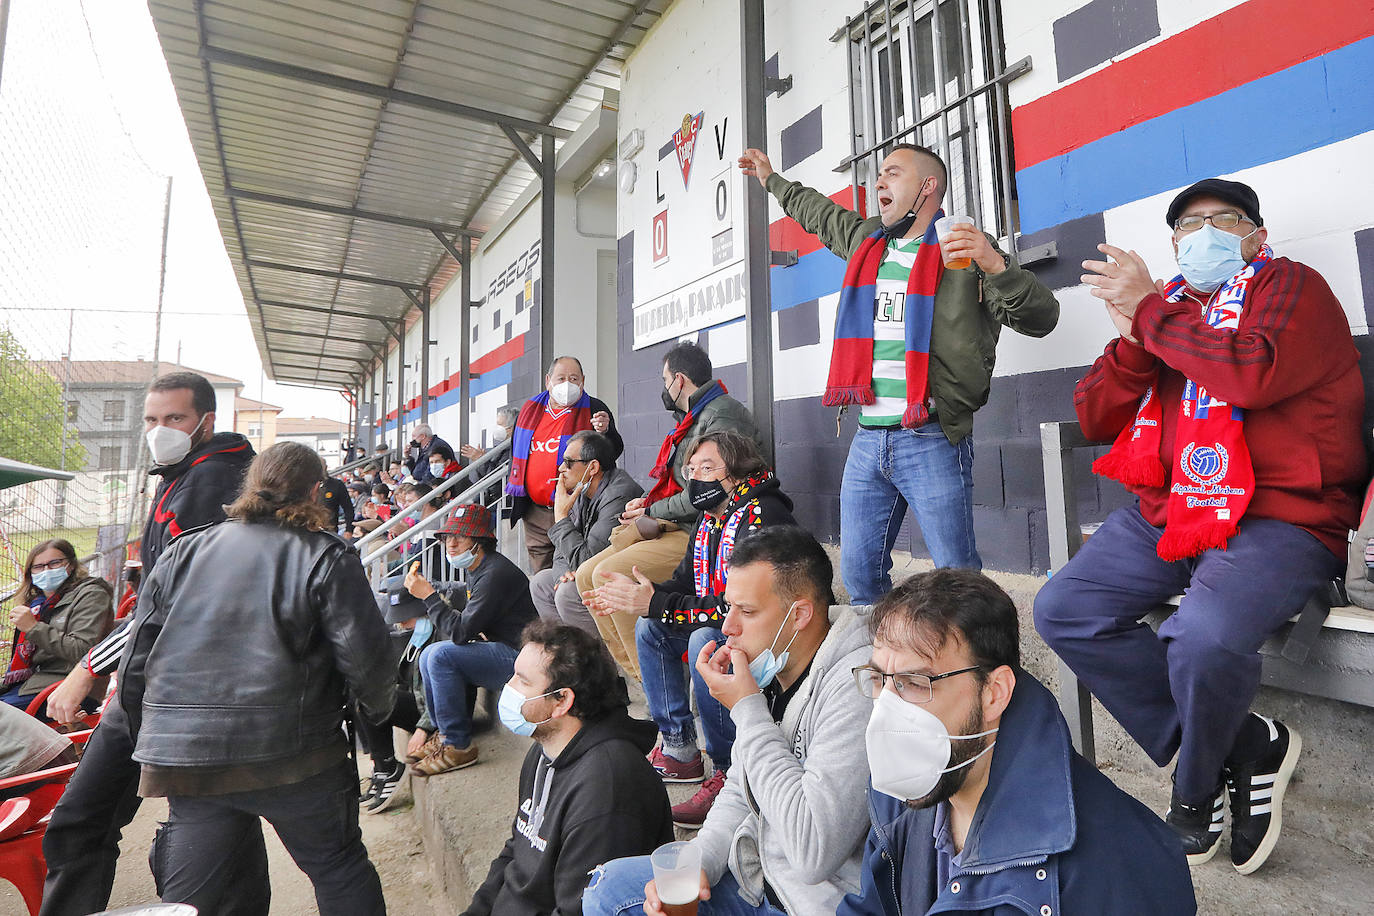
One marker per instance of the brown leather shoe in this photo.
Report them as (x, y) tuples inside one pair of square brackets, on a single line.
[(445, 759), (435, 742)]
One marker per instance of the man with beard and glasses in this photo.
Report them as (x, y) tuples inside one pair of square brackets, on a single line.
[(979, 803)]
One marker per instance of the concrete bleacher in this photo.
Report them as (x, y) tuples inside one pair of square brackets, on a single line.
[(1324, 863)]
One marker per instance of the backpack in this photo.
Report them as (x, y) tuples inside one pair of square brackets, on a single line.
[(1359, 572)]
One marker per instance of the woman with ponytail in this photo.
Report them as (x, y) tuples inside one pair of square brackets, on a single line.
[(236, 706)]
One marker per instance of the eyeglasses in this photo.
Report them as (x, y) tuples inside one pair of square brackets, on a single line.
[(568, 461), (912, 687), (708, 468), (53, 564), (1227, 220)]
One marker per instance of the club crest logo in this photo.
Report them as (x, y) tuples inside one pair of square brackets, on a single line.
[(1205, 464), (685, 142)]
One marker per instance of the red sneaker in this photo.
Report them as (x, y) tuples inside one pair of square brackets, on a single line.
[(674, 770), (692, 813)]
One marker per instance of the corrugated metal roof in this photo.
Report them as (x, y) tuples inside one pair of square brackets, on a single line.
[(261, 129)]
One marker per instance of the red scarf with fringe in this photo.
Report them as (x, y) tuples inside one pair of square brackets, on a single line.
[(1213, 478)]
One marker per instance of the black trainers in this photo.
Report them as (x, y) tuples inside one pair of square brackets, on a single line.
[(1198, 826), (1256, 791), (384, 785)]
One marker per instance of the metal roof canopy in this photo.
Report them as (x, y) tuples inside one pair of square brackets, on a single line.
[(350, 147)]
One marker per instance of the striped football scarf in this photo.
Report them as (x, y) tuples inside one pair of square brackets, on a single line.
[(578, 418), (851, 358)]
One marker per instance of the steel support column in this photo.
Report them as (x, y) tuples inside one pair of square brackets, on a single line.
[(4, 27), (424, 355), (547, 195), (401, 389), (758, 315), (465, 344)]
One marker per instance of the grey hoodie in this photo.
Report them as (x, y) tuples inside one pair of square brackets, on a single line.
[(793, 808)]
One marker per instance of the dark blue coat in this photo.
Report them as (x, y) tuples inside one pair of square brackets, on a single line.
[(1051, 835)]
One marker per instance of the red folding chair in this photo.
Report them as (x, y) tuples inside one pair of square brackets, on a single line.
[(23, 821)]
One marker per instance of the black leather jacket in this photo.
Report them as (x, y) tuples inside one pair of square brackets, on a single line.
[(246, 637)]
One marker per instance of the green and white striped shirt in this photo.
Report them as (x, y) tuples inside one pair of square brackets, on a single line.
[(889, 336)]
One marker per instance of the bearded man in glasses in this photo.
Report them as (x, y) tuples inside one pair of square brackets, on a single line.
[(977, 797), (1234, 397)]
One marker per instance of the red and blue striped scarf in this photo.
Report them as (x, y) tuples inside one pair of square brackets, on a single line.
[(851, 358), (577, 418)]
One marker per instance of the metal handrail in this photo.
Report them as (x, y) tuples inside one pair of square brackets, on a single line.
[(420, 527), (414, 508), (359, 462)]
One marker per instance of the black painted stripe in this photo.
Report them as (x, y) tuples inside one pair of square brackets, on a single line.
[(1101, 30)]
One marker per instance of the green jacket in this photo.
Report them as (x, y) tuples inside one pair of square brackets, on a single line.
[(721, 414), (82, 617), (970, 307)]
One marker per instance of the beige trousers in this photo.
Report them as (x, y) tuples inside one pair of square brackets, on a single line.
[(656, 559)]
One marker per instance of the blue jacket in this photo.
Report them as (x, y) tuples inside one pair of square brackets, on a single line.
[(1051, 835)]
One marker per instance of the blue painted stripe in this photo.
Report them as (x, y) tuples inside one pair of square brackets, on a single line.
[(816, 274), (483, 383), (1318, 102)]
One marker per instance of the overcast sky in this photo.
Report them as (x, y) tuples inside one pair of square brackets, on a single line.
[(203, 308)]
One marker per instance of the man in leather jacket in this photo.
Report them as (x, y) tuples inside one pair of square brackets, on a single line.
[(237, 707)]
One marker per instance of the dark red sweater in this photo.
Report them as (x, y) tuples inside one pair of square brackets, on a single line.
[(1291, 364)]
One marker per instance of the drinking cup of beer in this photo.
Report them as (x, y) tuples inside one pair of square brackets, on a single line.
[(677, 877), (943, 227)]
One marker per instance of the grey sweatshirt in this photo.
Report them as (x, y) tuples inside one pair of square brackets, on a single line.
[(794, 806)]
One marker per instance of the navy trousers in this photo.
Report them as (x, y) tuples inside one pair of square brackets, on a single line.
[(1188, 689)]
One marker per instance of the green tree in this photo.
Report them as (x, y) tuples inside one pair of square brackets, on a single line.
[(32, 411)]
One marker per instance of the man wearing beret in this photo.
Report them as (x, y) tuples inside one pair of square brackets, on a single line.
[(1234, 397)]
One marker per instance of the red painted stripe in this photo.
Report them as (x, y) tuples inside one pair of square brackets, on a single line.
[(786, 234), (1243, 44), (500, 356)]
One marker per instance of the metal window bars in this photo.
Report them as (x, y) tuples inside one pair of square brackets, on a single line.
[(917, 77)]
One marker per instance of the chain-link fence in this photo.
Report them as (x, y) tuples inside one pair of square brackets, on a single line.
[(82, 246)]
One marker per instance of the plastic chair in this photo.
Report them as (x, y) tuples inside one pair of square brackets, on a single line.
[(23, 821), (37, 705), (126, 604)]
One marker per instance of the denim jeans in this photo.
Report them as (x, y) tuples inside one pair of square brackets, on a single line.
[(887, 471), (618, 887), (448, 669), (1187, 689), (665, 687)]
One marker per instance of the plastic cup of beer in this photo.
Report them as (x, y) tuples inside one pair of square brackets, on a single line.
[(943, 227), (677, 876)]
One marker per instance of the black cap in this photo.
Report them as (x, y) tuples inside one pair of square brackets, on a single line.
[(1233, 192)]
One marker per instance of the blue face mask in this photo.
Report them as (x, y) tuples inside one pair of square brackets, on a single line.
[(1209, 257), (424, 629), (509, 707), (462, 560), (767, 665), (50, 579)]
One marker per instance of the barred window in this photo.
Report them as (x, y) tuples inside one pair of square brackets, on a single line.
[(934, 73), (111, 458), (114, 410), (73, 411)]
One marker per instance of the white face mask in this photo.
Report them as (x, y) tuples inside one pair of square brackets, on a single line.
[(566, 393), (499, 434), (168, 445), (909, 747), (436, 469)]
